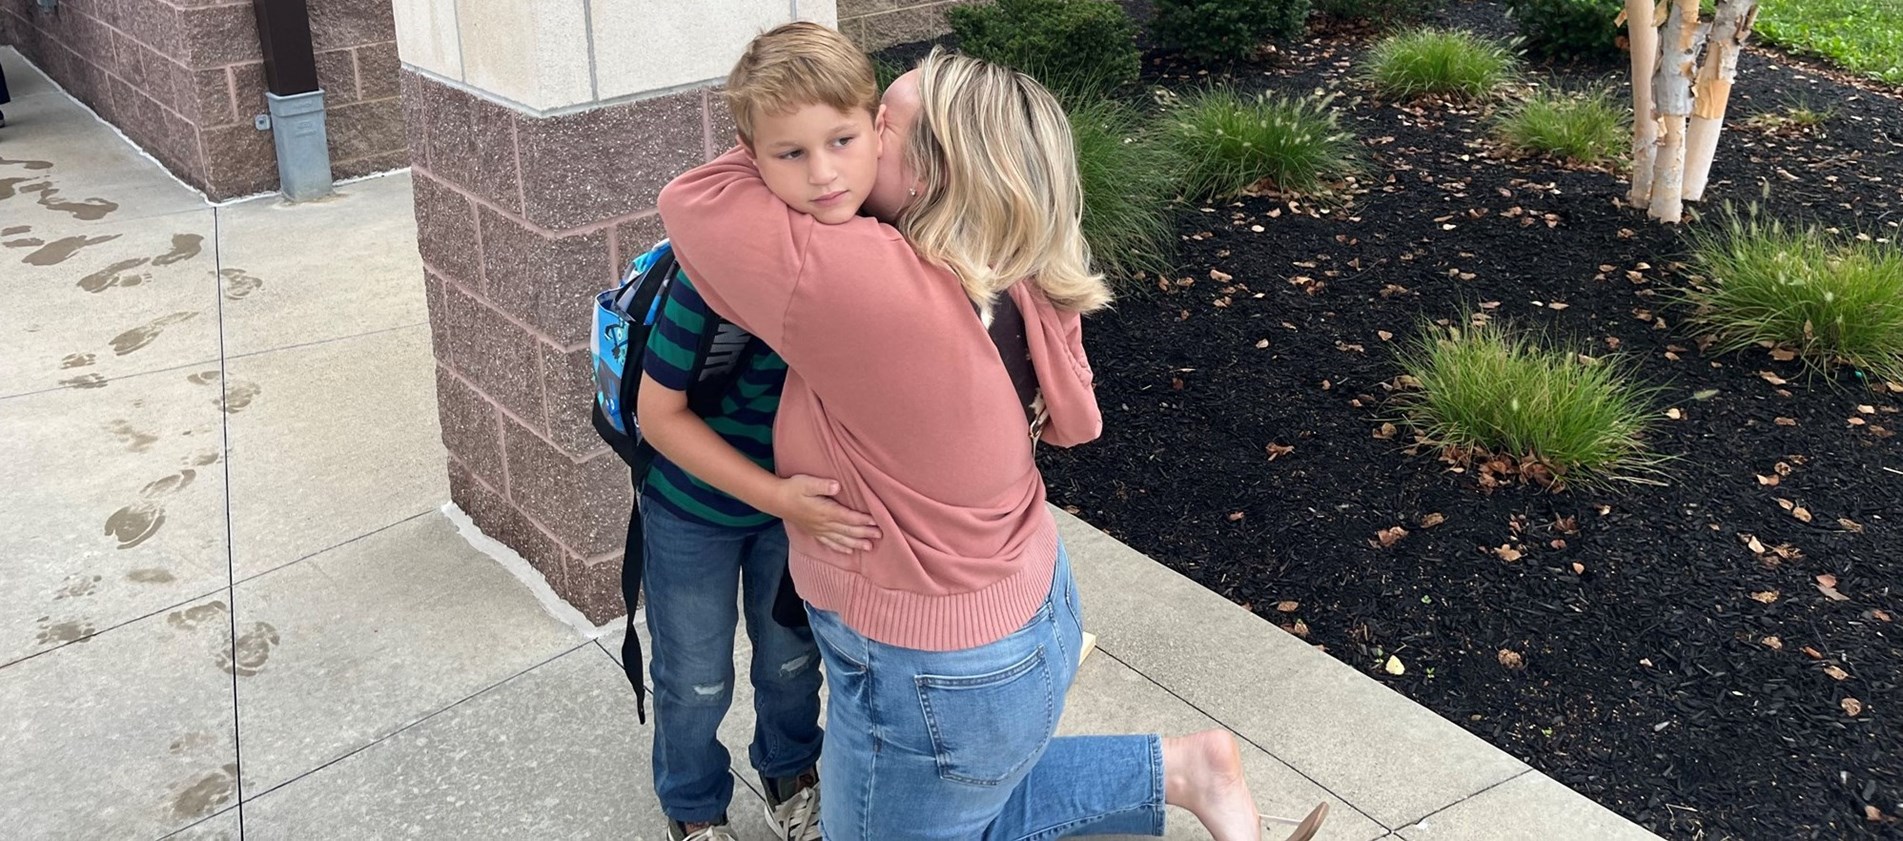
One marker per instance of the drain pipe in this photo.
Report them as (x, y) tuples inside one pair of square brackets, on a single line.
[(296, 121)]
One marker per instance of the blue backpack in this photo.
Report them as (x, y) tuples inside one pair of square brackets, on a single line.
[(624, 316)]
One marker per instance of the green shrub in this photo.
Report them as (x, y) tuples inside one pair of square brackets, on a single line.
[(1423, 62), (1224, 142), (1486, 388), (1569, 28), (1129, 182), (1829, 299), (1588, 128), (1225, 30), (1380, 12), (1072, 46)]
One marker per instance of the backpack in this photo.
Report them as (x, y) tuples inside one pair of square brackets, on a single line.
[(624, 316)]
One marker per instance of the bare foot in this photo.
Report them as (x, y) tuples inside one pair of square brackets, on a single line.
[(1203, 773)]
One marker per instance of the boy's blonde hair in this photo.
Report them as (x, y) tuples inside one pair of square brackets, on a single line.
[(795, 65), (1000, 199)]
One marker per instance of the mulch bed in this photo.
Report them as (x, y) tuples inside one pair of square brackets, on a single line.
[(1667, 651)]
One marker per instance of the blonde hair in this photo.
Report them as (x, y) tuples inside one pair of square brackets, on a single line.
[(1000, 200), (795, 65)]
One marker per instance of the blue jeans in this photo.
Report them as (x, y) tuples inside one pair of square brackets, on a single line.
[(958, 745), (695, 574)]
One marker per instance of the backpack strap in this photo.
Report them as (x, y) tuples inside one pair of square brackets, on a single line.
[(633, 567), (1010, 336)]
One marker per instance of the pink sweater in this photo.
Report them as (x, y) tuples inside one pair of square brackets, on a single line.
[(896, 391)]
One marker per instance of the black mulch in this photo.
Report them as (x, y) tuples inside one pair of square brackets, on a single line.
[(1665, 667)]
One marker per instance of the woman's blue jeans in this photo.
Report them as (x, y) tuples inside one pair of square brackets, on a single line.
[(695, 575), (957, 745)]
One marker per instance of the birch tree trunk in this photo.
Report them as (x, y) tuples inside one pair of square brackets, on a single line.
[(1672, 95), (1642, 36), (1712, 91)]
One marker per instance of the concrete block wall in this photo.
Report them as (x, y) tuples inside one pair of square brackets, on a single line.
[(877, 24), (183, 79)]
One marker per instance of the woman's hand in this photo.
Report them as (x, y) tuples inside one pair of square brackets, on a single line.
[(806, 503)]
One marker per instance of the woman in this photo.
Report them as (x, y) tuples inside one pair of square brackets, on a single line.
[(950, 645)]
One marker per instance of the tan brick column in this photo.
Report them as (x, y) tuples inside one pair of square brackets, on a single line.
[(540, 133)]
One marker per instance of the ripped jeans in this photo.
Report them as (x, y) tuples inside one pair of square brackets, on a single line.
[(695, 574)]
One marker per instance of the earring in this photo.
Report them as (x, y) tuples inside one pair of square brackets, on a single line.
[(912, 192)]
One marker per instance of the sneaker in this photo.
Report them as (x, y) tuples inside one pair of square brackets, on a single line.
[(717, 831), (792, 806)]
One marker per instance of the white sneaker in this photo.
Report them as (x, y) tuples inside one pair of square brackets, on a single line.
[(797, 817), (717, 832)]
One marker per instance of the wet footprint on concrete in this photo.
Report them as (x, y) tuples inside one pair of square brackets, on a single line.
[(27, 164), (197, 616), (134, 440), (61, 633), (77, 360), (117, 274), (59, 250), (86, 210), (151, 576), (239, 284), (237, 394), (203, 795), (77, 585), (250, 650), (184, 247), (136, 523), (145, 334), (85, 381)]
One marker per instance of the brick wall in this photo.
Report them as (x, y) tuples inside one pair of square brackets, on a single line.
[(520, 220), (184, 78), (877, 24)]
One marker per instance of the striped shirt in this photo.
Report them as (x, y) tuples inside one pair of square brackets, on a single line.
[(744, 418)]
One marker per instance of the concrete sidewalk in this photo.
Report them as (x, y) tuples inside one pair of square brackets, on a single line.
[(237, 606)]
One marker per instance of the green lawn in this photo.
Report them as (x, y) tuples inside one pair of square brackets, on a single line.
[(1861, 35)]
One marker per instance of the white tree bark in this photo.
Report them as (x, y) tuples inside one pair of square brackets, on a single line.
[(1642, 35), (1712, 90), (1672, 97)]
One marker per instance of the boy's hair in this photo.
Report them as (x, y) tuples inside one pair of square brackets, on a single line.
[(795, 65)]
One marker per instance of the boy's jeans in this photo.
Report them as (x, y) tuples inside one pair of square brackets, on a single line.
[(695, 573), (957, 745)]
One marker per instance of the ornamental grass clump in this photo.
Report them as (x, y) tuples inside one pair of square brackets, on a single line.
[(1587, 128), (1439, 62), (1225, 142), (1830, 300), (1128, 182), (1487, 389)]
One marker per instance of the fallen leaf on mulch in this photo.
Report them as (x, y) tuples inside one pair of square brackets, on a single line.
[(1772, 378), (1262, 344), (1866, 409), (1578, 568), (1279, 450), (1386, 432), (1512, 659), (1288, 606), (1850, 525), (1389, 536), (1752, 543), (1880, 615), (1852, 707), (1827, 584), (1768, 481), (1385, 335), (1765, 596), (1220, 276), (1783, 354), (1801, 513), (1785, 421), (1394, 667), (1675, 414), (1773, 643), (1783, 468), (1507, 553), (1812, 653), (1872, 813), (1235, 516), (1836, 673), (1432, 519)]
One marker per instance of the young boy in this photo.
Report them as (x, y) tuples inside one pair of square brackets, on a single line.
[(805, 101)]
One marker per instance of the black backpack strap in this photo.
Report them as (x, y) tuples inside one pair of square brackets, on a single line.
[(633, 567)]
